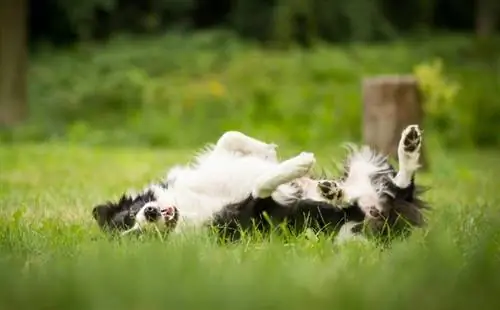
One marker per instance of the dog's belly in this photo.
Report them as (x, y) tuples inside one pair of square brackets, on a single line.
[(225, 176), (217, 181)]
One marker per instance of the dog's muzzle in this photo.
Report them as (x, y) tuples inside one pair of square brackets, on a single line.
[(153, 214), (168, 213)]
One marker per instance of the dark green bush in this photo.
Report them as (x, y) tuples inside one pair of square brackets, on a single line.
[(174, 90), (285, 21)]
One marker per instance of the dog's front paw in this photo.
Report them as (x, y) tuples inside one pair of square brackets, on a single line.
[(331, 191), (411, 139), (305, 161), (300, 165)]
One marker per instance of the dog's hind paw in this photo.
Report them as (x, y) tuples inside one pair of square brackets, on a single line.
[(330, 191), (409, 150), (411, 139)]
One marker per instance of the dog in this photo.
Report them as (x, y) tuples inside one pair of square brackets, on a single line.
[(238, 183)]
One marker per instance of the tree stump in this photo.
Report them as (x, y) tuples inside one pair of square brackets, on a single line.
[(13, 62), (487, 12), (390, 104)]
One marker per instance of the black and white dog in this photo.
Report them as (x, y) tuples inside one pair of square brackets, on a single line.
[(238, 184)]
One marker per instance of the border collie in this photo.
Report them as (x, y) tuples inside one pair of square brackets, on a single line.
[(238, 183)]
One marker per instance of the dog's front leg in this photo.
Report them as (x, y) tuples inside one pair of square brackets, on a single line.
[(408, 156), (285, 172), (235, 141)]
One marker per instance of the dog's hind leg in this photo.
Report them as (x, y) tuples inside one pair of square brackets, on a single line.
[(408, 155), (285, 172), (235, 141)]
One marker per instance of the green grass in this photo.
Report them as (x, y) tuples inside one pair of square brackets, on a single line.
[(52, 256)]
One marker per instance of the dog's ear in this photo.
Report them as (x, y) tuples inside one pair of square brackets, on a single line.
[(101, 213), (124, 200)]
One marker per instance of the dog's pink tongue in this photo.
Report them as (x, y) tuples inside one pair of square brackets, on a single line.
[(168, 211)]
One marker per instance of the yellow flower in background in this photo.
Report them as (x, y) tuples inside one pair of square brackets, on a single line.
[(437, 88), (216, 88)]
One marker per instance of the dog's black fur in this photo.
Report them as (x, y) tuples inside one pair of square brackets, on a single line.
[(120, 216), (403, 211), (263, 214), (259, 213), (401, 208)]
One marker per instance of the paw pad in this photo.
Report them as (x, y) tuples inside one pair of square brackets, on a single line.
[(412, 138), (330, 190)]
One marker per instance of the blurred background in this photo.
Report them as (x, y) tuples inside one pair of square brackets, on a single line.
[(177, 73)]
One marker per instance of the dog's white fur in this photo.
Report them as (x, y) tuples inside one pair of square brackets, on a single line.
[(235, 167), (239, 165), (408, 161), (364, 163)]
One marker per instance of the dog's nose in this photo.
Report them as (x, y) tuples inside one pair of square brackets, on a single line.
[(151, 214)]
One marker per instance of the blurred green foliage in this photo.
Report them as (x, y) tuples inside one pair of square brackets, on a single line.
[(181, 91)]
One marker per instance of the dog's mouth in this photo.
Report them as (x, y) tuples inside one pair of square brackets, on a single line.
[(168, 213)]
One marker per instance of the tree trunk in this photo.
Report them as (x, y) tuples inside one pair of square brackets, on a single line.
[(13, 62), (486, 17), (390, 104)]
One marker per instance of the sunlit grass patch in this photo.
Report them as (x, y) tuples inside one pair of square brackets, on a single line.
[(52, 255)]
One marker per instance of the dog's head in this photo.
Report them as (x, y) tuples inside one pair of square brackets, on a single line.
[(135, 212)]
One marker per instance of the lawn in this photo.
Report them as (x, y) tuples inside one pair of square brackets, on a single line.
[(52, 256)]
